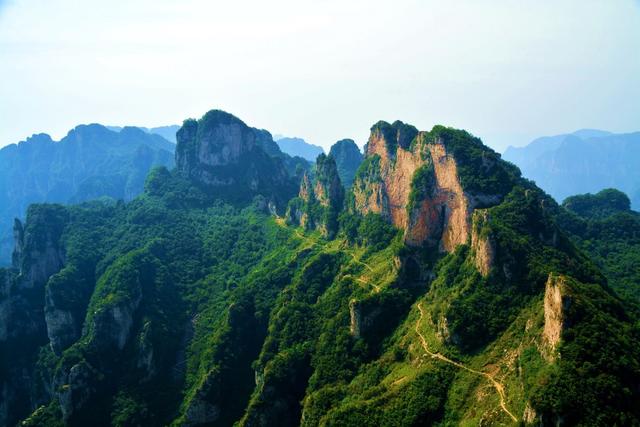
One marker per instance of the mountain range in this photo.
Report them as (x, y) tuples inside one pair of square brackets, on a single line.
[(244, 287), (585, 161), (298, 147), (167, 132), (91, 161)]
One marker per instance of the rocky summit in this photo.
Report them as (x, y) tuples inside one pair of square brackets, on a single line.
[(221, 151), (246, 287)]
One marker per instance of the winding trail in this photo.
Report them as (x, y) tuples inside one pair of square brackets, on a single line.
[(301, 236), (498, 386)]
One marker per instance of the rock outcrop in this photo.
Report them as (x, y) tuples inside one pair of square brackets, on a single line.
[(222, 153), (319, 199), (413, 180), (38, 254), (348, 158), (484, 251), (556, 302)]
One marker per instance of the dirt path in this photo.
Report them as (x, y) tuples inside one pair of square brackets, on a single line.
[(298, 234), (498, 386)]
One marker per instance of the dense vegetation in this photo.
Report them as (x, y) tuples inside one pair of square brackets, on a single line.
[(193, 306), (604, 226), (90, 162)]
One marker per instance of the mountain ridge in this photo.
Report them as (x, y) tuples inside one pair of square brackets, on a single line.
[(423, 303)]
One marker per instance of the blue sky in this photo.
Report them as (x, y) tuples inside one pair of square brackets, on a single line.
[(507, 71)]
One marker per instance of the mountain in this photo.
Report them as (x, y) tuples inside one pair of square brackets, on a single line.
[(586, 161), (441, 291), (222, 153), (89, 162), (605, 227), (348, 157), (320, 199), (299, 147), (167, 132)]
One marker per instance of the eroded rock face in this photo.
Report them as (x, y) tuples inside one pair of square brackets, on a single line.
[(556, 301), (74, 388), (220, 151), (481, 243), (362, 317), (319, 200), (39, 254), (411, 179)]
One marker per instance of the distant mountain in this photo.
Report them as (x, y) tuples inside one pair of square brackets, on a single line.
[(167, 132), (348, 158), (585, 161), (90, 162), (299, 147)]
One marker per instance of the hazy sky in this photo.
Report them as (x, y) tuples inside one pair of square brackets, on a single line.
[(323, 70)]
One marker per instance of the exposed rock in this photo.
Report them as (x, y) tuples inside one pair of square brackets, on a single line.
[(221, 152), (145, 359), (362, 317), (74, 387), (113, 324), (411, 179), (319, 200), (556, 302), (61, 328), (529, 416), (481, 243), (201, 412)]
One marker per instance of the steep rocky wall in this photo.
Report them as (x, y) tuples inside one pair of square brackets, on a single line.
[(442, 216), (556, 301), (221, 153), (481, 243)]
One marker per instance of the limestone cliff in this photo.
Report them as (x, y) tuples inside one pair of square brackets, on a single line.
[(319, 199), (556, 302), (38, 254), (223, 154), (428, 183), (484, 251)]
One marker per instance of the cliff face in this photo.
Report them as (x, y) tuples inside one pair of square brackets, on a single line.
[(221, 152), (38, 254), (556, 302), (319, 200), (413, 180)]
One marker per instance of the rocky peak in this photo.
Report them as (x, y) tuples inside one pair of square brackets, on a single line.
[(428, 183), (348, 158), (319, 200), (306, 190), (328, 189), (220, 151), (394, 135), (217, 139)]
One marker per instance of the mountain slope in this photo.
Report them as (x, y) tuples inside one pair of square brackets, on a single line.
[(90, 162), (448, 295), (582, 162), (604, 226)]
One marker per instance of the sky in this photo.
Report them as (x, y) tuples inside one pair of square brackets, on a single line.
[(507, 71)]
